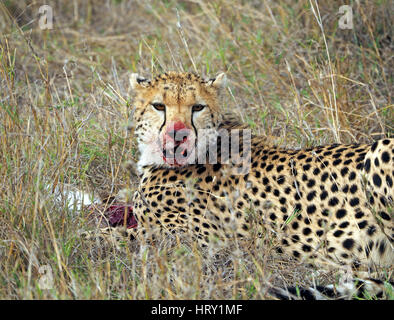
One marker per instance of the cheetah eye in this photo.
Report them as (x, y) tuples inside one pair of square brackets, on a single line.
[(158, 106), (198, 107)]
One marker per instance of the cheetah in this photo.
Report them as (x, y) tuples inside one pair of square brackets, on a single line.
[(327, 204)]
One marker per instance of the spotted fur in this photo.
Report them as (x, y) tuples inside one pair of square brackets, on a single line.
[(330, 205)]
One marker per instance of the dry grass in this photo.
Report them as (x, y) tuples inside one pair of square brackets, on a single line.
[(64, 108)]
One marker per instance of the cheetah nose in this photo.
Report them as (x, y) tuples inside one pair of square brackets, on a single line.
[(178, 135), (178, 132)]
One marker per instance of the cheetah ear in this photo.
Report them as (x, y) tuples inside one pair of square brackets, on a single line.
[(219, 82), (137, 82)]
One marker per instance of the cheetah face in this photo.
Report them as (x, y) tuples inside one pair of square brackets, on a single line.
[(176, 116)]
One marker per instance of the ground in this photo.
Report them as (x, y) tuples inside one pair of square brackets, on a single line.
[(65, 106)]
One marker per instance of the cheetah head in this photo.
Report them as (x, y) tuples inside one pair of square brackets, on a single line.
[(176, 115)]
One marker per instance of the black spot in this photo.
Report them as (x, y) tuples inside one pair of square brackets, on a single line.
[(386, 142), (201, 170), (295, 225), (324, 195), (296, 254), (338, 233), (354, 202), (371, 230), (343, 225), (324, 177), (336, 162), (279, 168), (295, 238), (319, 233), (272, 216), (362, 224), (281, 180), (285, 242), (306, 248), (333, 177), (344, 171), (341, 213), (216, 167), (359, 214), (311, 183), (348, 244), (389, 181), (311, 195), (306, 231), (334, 187), (269, 167), (374, 146), (368, 165), (384, 215), (311, 209), (333, 201), (383, 201), (316, 171), (382, 247), (208, 179), (353, 189)]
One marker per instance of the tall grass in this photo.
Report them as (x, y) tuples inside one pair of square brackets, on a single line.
[(64, 109)]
